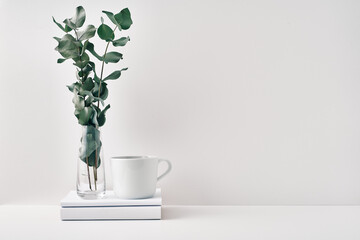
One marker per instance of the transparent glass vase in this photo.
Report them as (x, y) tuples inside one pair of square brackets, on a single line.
[(90, 165)]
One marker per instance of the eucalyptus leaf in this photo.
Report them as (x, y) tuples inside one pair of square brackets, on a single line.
[(85, 115), (105, 32), (102, 119), (79, 17), (96, 78), (57, 39), (67, 28), (90, 48), (110, 15), (104, 92), (88, 84), (84, 47), (91, 98), (124, 18), (73, 86), (90, 142), (120, 42), (78, 101), (92, 64), (81, 61), (61, 60), (77, 113), (70, 24), (114, 75), (112, 57), (88, 33), (86, 71), (94, 120), (67, 47), (61, 26)]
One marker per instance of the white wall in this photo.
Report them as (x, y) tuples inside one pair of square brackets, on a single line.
[(254, 102)]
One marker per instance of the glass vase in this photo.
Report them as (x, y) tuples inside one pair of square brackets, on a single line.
[(90, 165)]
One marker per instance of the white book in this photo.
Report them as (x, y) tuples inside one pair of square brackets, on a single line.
[(110, 200), (111, 213)]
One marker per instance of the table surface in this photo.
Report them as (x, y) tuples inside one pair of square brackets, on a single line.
[(189, 222)]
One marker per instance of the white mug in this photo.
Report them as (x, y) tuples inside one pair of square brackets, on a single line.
[(136, 176)]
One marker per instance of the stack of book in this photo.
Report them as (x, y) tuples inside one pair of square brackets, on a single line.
[(110, 207)]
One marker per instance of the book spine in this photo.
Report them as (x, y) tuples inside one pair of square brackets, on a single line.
[(111, 213)]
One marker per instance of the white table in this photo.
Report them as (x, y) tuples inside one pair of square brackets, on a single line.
[(189, 222)]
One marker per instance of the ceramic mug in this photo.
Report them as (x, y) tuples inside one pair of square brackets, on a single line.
[(136, 176)]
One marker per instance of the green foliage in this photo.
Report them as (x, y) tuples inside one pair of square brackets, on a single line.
[(90, 88), (115, 75), (90, 146), (68, 47), (105, 32), (88, 33), (112, 57), (124, 19), (121, 42)]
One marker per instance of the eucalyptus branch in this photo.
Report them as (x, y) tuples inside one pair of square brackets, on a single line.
[(102, 67), (81, 69), (87, 90)]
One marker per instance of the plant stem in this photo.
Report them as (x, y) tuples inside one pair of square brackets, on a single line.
[(98, 104), (94, 172), (88, 170), (102, 68), (77, 39), (96, 164)]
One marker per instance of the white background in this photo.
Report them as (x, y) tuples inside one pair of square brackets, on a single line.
[(254, 102)]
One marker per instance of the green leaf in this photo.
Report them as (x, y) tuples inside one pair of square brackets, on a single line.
[(94, 119), (57, 39), (67, 28), (92, 64), (123, 18), (81, 61), (90, 48), (105, 32), (112, 57), (85, 72), (85, 115), (84, 47), (79, 17), (96, 78), (114, 75), (110, 15), (90, 145), (88, 84), (78, 101), (73, 86), (90, 98), (61, 60), (69, 23), (121, 42), (89, 32), (88, 68), (60, 26), (102, 119), (104, 92), (68, 47)]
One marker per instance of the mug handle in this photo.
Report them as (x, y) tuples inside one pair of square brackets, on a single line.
[(167, 170)]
